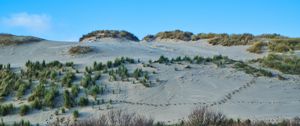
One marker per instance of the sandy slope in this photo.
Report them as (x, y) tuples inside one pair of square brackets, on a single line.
[(47, 50), (176, 93)]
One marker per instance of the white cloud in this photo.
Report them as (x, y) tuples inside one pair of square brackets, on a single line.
[(31, 22)]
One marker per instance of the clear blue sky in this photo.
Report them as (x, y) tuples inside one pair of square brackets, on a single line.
[(69, 19)]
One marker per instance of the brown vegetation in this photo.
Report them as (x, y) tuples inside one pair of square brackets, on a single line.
[(234, 39), (9, 39), (80, 50), (256, 47)]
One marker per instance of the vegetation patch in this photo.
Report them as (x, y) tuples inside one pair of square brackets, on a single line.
[(284, 45), (9, 39), (109, 34), (288, 64), (252, 70), (174, 35), (80, 50), (256, 47), (234, 39)]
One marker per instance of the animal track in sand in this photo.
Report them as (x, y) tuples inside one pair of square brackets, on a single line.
[(224, 100)]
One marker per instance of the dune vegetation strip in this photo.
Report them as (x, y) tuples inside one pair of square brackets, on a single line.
[(75, 50), (284, 45), (116, 34), (288, 64), (9, 39)]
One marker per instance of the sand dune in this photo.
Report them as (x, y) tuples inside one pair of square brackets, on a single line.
[(232, 92)]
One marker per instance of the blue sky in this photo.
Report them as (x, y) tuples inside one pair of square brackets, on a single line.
[(69, 19)]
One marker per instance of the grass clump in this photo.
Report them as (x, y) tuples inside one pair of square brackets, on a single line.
[(256, 47), (80, 50), (288, 64), (24, 110), (6, 109)]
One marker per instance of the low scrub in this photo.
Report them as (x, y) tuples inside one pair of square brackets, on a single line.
[(80, 50)]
